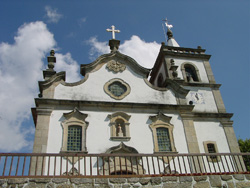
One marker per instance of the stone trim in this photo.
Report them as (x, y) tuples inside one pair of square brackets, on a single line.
[(211, 158), (114, 118), (77, 118), (101, 105), (209, 72), (105, 87), (158, 121), (117, 56), (218, 100)]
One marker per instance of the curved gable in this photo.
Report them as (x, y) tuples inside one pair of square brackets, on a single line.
[(117, 58)]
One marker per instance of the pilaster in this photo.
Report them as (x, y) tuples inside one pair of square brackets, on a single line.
[(210, 74), (42, 130), (218, 100)]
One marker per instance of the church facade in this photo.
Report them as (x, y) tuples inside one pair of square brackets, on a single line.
[(122, 107)]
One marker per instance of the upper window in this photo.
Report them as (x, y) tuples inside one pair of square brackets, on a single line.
[(117, 88), (190, 72), (74, 132), (74, 138), (162, 133), (163, 139)]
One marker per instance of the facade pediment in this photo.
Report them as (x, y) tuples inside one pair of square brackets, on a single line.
[(115, 62)]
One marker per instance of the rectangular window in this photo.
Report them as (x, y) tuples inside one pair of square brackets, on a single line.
[(163, 139), (211, 149), (74, 138)]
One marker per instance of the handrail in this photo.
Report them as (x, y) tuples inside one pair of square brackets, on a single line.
[(126, 164)]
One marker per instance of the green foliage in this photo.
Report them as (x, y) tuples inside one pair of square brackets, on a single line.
[(245, 147)]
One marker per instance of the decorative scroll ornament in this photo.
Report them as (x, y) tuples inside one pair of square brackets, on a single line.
[(115, 66)]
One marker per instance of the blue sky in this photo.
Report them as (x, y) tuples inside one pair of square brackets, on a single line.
[(77, 31)]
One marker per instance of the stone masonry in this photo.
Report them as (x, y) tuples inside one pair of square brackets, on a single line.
[(213, 181)]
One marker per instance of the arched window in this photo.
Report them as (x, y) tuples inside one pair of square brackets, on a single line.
[(163, 139), (190, 72), (74, 138)]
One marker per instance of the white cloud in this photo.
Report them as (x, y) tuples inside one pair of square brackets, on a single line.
[(66, 63), (52, 15), (97, 48), (21, 65), (81, 21), (145, 53)]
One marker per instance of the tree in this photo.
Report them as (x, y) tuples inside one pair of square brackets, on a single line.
[(245, 147)]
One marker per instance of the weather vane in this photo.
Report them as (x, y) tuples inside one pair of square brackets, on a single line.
[(169, 26), (113, 31)]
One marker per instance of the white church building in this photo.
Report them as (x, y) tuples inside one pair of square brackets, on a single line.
[(121, 107)]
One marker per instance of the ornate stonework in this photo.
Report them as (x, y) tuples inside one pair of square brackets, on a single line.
[(115, 66)]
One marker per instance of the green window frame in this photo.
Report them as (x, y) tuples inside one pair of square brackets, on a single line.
[(74, 138), (163, 139)]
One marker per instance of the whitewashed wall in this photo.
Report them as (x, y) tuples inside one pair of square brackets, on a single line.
[(211, 131), (92, 89), (98, 132), (207, 105)]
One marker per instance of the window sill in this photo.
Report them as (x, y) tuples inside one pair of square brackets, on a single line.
[(120, 138)]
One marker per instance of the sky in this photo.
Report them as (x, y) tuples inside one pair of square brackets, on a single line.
[(76, 30)]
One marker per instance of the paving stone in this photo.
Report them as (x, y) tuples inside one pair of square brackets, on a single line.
[(169, 178), (226, 177), (136, 185), (239, 176), (101, 180), (144, 181), (2, 181), (126, 186), (200, 178), (215, 181), (34, 185), (186, 178), (133, 180), (50, 185), (64, 186), (230, 185), (201, 185), (85, 186), (40, 180), (178, 185), (59, 180), (17, 180), (117, 180), (247, 176), (103, 186), (155, 180), (82, 180), (243, 184)]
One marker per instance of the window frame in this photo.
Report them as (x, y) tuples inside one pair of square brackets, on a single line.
[(162, 121), (183, 70), (107, 84), (211, 158), (74, 118)]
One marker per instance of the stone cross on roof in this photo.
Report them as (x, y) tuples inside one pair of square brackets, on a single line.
[(113, 31)]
